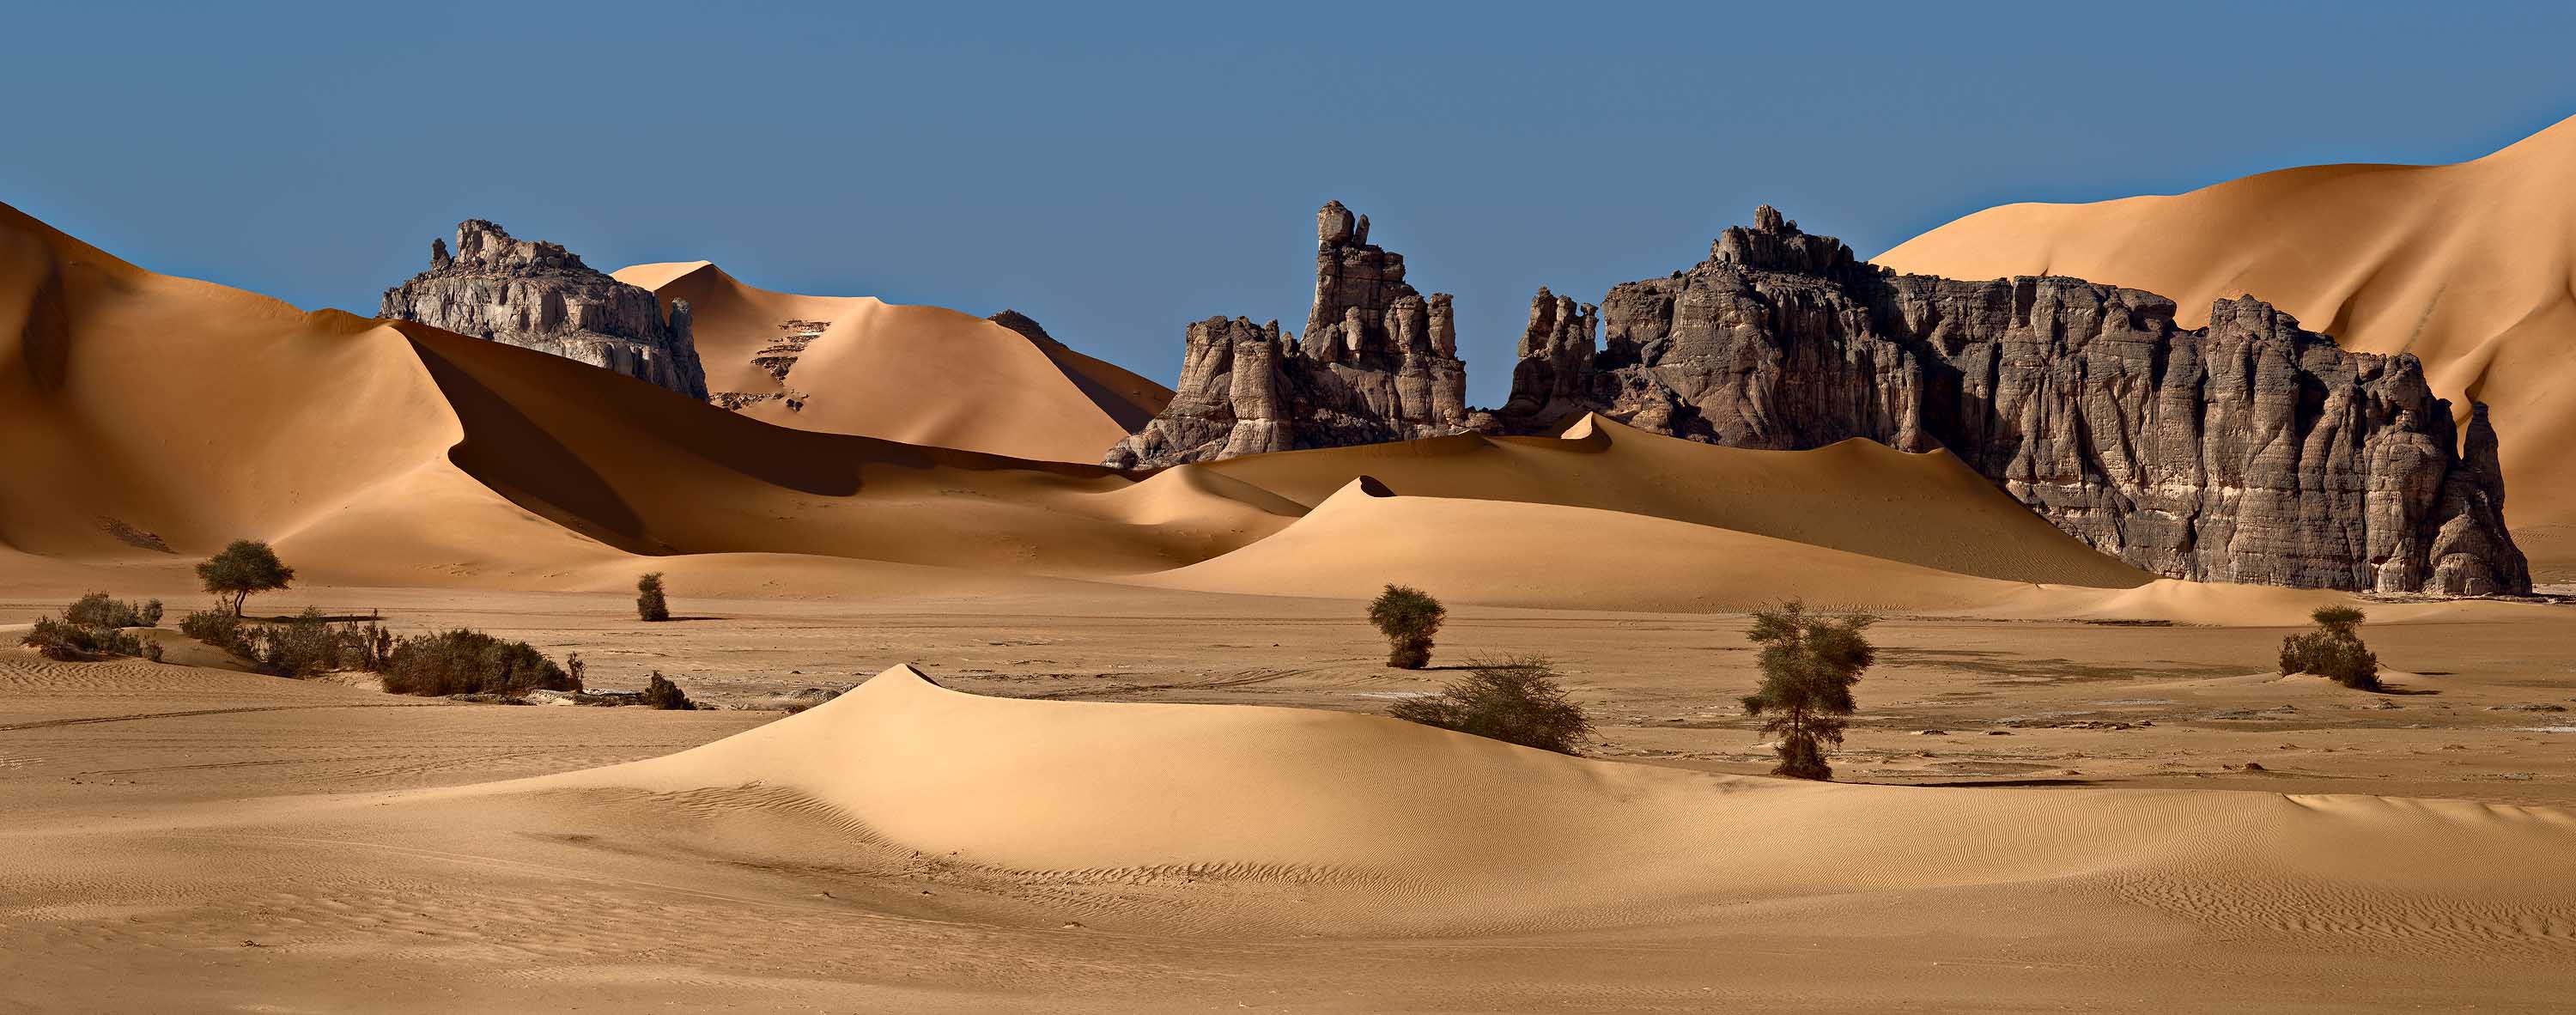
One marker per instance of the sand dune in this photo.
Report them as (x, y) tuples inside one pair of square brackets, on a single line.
[(1856, 496), (652, 473), (1512, 553), (920, 375), (2470, 266), (1474, 834)]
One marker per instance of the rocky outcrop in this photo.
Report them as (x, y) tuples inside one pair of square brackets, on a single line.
[(1379, 362), (2249, 450), (538, 295)]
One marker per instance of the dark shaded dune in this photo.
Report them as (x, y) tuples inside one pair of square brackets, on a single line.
[(651, 472)]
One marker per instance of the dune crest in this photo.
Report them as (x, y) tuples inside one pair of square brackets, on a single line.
[(1470, 829), (921, 375)]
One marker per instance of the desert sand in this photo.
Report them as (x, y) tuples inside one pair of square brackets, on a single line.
[(916, 374), (2471, 267), (1113, 742)]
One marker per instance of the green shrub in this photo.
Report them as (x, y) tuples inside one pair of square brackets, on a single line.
[(2333, 650), (1517, 701), (662, 693), (471, 662), (96, 610), (649, 603), (218, 628), (1809, 664), (1408, 618), (56, 638)]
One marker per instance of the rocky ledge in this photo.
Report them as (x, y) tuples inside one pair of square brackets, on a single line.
[(537, 295), (2249, 450), (1379, 362)]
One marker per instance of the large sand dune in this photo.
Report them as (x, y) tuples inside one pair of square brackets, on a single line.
[(1470, 834), (1855, 496), (916, 374), (2471, 267)]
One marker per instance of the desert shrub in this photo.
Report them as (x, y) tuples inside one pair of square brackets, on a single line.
[(56, 638), (649, 603), (1809, 664), (1517, 701), (96, 610), (303, 647), (470, 662), (661, 693), (2333, 649), (217, 628), (1408, 618), (247, 566)]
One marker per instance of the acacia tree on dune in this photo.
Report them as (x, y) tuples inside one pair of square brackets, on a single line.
[(1809, 664), (245, 567), (1408, 618)]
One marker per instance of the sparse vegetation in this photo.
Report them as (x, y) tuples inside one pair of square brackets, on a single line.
[(302, 647), (463, 661), (661, 693), (2333, 650), (1809, 664), (1409, 618), (57, 638), (96, 610), (246, 567), (1518, 700), (649, 602), (219, 628)]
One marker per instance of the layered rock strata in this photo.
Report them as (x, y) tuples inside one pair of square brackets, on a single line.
[(537, 295), (2250, 450), (1378, 362)]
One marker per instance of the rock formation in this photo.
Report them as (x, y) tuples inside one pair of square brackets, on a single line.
[(538, 295), (1379, 362), (2247, 451)]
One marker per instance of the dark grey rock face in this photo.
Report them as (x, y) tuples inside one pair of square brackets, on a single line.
[(538, 295), (2249, 450), (1379, 362)]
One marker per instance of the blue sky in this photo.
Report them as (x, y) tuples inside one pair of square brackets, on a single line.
[(1117, 172)]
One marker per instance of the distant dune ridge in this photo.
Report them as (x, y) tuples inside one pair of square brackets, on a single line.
[(921, 375), (2470, 267)]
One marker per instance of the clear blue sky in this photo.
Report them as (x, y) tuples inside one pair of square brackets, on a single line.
[(1118, 172)]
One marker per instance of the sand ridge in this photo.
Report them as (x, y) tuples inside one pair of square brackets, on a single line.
[(915, 374)]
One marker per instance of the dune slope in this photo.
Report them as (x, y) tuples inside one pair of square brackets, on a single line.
[(1475, 834), (916, 374), (2471, 267), (1513, 553), (1856, 496)]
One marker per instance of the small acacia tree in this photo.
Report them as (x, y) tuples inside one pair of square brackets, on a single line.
[(2333, 650), (1409, 618), (1809, 664), (649, 603), (1516, 700), (245, 567)]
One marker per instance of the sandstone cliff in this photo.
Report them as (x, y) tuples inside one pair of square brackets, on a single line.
[(2249, 450), (537, 295), (1379, 362)]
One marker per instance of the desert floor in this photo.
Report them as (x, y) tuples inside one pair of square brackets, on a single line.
[(189, 838)]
